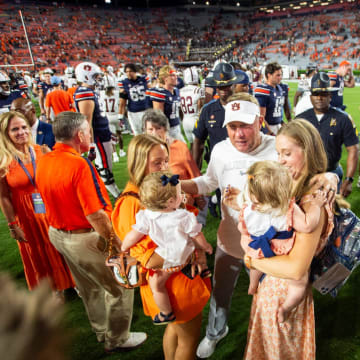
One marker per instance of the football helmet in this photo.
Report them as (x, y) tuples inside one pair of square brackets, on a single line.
[(87, 72), (4, 84), (191, 76), (69, 72), (110, 69)]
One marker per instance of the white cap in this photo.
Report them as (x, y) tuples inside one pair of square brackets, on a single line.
[(242, 111)]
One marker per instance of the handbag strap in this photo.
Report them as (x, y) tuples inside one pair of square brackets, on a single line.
[(112, 236)]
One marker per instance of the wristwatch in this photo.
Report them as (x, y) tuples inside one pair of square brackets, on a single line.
[(349, 179)]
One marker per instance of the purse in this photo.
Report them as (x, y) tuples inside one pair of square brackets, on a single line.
[(341, 255), (126, 270)]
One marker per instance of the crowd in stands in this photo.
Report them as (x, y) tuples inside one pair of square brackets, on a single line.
[(167, 34)]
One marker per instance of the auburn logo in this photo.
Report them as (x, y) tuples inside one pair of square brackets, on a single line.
[(235, 106)]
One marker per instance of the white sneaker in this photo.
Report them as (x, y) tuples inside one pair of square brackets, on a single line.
[(115, 157), (135, 340), (207, 347), (122, 153)]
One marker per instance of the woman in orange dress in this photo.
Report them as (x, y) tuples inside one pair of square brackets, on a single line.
[(147, 154), (18, 161), (301, 150)]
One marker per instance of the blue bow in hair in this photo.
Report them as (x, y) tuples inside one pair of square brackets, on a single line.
[(174, 180)]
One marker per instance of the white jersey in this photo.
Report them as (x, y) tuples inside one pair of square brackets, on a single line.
[(69, 82), (109, 104), (304, 102), (189, 96)]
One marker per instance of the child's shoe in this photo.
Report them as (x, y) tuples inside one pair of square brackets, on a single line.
[(166, 319)]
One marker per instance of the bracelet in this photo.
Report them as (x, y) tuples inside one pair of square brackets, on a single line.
[(247, 261), (15, 222)]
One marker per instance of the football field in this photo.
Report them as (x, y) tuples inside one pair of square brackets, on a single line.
[(337, 320)]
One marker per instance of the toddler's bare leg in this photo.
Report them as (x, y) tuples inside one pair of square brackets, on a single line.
[(157, 284), (296, 293), (255, 276)]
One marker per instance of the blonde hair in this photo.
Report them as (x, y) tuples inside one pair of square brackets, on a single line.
[(164, 72), (153, 194), (137, 157), (307, 137), (8, 151), (243, 97), (270, 183)]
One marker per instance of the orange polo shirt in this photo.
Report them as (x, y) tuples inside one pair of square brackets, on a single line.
[(69, 188), (59, 100)]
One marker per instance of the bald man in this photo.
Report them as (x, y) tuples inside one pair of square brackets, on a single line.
[(41, 131)]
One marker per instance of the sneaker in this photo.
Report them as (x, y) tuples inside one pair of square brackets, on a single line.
[(115, 157), (122, 153), (207, 347), (134, 341)]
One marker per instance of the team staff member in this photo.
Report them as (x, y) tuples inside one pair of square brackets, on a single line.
[(41, 131), (342, 77), (336, 129), (133, 92), (57, 99), (167, 99), (79, 209), (87, 103), (271, 98)]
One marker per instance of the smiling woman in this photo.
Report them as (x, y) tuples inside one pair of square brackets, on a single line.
[(23, 206)]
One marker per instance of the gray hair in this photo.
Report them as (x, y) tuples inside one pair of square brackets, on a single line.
[(156, 117), (67, 124)]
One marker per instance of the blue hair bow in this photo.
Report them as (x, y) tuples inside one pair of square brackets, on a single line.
[(173, 180)]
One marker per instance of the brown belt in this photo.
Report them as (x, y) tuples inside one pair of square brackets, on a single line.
[(77, 231)]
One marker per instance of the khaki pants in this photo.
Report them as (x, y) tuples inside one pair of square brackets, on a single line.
[(108, 305)]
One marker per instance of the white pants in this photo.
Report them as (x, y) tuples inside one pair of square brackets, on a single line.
[(114, 123), (175, 132), (188, 125), (135, 120)]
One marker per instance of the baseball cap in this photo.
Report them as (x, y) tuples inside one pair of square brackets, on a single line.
[(244, 79), (242, 111), (55, 80), (344, 63)]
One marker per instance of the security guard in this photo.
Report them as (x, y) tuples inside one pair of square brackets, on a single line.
[(210, 124), (335, 127)]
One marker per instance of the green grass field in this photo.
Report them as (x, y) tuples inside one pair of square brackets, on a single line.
[(337, 320)]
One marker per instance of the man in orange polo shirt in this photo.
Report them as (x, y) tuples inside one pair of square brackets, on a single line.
[(57, 99), (78, 209)]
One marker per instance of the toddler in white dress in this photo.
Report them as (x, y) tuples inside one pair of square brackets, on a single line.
[(172, 229), (268, 220)]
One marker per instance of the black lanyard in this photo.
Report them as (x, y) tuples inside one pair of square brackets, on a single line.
[(32, 180)]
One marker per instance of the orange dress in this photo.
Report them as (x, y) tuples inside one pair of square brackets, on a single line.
[(187, 297), (294, 339), (39, 257)]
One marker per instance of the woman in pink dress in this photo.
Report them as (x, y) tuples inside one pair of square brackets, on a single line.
[(301, 150)]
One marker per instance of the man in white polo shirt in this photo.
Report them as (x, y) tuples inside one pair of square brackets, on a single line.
[(230, 160)]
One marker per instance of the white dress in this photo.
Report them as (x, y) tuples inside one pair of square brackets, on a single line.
[(171, 232)]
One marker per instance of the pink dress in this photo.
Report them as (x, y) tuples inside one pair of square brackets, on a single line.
[(293, 340)]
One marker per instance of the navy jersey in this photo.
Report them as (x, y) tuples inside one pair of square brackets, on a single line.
[(285, 88), (5, 102), (337, 97), (44, 87), (336, 128), (210, 124), (100, 123), (273, 100), (171, 102), (135, 91)]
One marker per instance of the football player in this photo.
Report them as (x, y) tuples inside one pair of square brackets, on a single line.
[(87, 103), (133, 93), (192, 97), (109, 102), (6, 95), (43, 88)]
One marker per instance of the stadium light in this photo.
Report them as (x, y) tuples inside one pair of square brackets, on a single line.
[(107, 1), (207, 3), (194, 2), (237, 4)]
